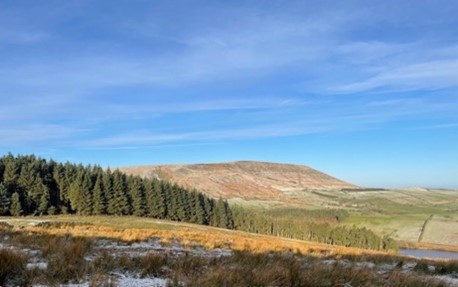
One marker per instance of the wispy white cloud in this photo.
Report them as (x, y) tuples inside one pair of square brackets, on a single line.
[(368, 52), (191, 106), (252, 47), (38, 134), (440, 126), (420, 76), (316, 120), (148, 139)]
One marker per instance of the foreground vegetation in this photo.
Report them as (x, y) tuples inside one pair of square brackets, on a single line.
[(135, 229), (60, 252)]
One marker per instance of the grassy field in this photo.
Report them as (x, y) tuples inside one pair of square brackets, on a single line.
[(398, 213), (409, 215)]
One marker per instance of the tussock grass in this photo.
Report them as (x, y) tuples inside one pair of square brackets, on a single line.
[(12, 266), (246, 269), (65, 256), (154, 264), (102, 280), (211, 238)]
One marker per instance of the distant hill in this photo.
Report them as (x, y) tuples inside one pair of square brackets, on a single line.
[(245, 180)]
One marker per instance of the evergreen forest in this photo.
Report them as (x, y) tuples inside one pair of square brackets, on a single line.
[(30, 185)]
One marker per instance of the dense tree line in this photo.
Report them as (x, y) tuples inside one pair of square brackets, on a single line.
[(309, 225), (30, 185), (321, 215)]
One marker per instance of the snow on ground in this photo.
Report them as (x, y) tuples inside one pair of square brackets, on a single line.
[(39, 265), (125, 281), (137, 249), (369, 265), (155, 245), (409, 266), (450, 280), (142, 282), (20, 221)]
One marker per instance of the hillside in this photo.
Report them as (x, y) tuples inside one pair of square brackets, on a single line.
[(400, 213), (244, 180)]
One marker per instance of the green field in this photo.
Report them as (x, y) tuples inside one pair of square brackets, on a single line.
[(398, 213), (403, 213)]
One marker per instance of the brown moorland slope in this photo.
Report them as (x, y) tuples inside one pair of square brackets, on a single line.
[(245, 180)]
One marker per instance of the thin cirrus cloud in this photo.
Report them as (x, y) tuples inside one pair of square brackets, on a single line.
[(429, 75), (38, 135), (253, 47), (337, 120), (140, 140), (250, 48)]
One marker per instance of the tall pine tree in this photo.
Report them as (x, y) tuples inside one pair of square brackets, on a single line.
[(16, 205), (4, 200), (119, 203), (137, 193), (100, 202)]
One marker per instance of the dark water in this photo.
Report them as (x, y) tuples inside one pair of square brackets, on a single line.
[(429, 253)]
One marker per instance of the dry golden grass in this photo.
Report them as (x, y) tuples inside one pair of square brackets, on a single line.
[(210, 239), (427, 246)]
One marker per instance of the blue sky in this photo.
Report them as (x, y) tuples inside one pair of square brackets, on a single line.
[(363, 90)]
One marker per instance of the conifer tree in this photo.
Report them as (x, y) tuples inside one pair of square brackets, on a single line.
[(4, 200), (16, 206), (228, 216), (169, 200), (58, 176), (209, 205), (119, 203), (193, 203), (201, 213), (75, 194), (100, 203), (181, 204), (2, 169), (157, 199), (137, 193), (219, 216), (107, 184), (86, 203), (44, 202), (10, 175)]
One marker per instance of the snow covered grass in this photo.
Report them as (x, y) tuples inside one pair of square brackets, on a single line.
[(90, 255)]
